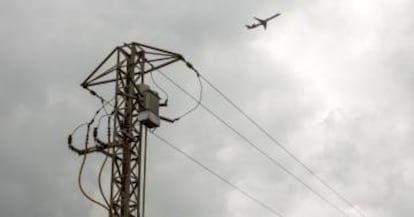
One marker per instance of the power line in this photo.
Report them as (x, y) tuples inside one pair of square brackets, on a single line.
[(287, 151), (270, 209), (275, 141), (275, 162)]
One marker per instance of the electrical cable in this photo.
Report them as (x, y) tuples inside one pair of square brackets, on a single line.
[(275, 141), (103, 116), (78, 127), (198, 101), (275, 162), (81, 125), (96, 113), (106, 157), (104, 103), (159, 87), (81, 171), (100, 181), (203, 166), (103, 107)]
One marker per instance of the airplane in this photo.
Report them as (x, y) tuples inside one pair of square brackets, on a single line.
[(262, 22)]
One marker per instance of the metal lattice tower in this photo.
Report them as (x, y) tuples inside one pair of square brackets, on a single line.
[(129, 64)]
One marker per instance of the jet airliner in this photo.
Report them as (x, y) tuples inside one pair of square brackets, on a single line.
[(261, 22)]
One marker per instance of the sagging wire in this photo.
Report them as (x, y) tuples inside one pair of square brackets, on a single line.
[(70, 137), (199, 100), (159, 87), (100, 181), (103, 116), (103, 101), (82, 167), (200, 96), (106, 158), (104, 104), (88, 124)]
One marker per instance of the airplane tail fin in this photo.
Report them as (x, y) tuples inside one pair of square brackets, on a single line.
[(265, 25)]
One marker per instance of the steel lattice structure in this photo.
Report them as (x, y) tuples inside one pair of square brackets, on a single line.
[(129, 64)]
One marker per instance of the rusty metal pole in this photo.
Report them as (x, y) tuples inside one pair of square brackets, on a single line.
[(125, 167), (127, 142)]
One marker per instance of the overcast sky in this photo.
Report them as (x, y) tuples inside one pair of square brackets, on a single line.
[(332, 80)]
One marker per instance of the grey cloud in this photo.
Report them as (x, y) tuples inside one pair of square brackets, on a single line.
[(363, 149)]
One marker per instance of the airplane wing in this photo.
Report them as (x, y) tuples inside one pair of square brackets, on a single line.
[(258, 19), (276, 15)]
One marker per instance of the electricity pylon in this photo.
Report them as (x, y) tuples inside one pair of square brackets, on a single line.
[(136, 108)]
